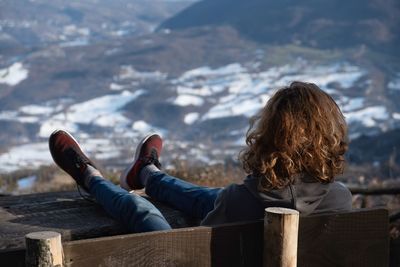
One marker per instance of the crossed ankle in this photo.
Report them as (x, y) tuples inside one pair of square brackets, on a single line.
[(89, 173), (146, 172)]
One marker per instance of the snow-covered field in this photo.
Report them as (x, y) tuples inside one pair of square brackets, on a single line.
[(102, 111), (207, 93), (14, 74), (246, 92), (25, 156)]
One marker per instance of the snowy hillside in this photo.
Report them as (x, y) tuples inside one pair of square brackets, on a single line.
[(33, 23), (98, 69), (204, 95)]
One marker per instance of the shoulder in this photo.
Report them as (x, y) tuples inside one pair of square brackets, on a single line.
[(238, 197), (339, 198), (340, 189), (234, 190), (235, 196)]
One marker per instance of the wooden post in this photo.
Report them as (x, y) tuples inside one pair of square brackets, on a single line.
[(43, 249), (281, 227)]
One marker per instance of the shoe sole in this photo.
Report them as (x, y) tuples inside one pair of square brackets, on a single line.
[(123, 178)]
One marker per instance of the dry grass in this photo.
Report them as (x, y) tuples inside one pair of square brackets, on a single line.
[(52, 178), (213, 176)]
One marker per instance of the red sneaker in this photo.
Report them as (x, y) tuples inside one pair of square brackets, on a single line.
[(147, 152), (68, 155)]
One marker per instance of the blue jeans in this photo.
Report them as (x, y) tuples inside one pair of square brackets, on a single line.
[(139, 215), (193, 200)]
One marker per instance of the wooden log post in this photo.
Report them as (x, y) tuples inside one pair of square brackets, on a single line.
[(43, 249), (281, 227)]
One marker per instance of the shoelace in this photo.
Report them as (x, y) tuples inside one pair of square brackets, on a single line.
[(80, 162), (153, 159)]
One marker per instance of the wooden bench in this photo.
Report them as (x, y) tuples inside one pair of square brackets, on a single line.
[(359, 238)]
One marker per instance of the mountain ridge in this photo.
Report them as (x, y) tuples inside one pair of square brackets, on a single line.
[(313, 23)]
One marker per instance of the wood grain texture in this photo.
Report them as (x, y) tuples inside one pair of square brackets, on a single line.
[(44, 249), (281, 227), (181, 247), (347, 239), (229, 245), (63, 212), (66, 213), (359, 238)]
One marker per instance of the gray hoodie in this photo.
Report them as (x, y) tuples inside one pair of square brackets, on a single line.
[(244, 202)]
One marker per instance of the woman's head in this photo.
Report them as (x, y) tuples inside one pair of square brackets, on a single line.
[(301, 130)]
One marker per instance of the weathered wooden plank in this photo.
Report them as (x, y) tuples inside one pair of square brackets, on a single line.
[(359, 238), (365, 190), (37, 198), (347, 239), (72, 223), (66, 213), (325, 240), (181, 247), (229, 245)]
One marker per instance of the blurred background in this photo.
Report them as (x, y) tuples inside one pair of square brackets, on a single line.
[(110, 71)]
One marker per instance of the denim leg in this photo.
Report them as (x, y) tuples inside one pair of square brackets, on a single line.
[(191, 199), (134, 211)]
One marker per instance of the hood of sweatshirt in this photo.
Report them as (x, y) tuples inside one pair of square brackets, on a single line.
[(304, 195)]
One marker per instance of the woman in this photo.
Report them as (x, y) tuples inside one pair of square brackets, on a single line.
[(295, 148)]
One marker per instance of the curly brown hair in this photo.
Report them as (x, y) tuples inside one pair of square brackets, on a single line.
[(301, 130)]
